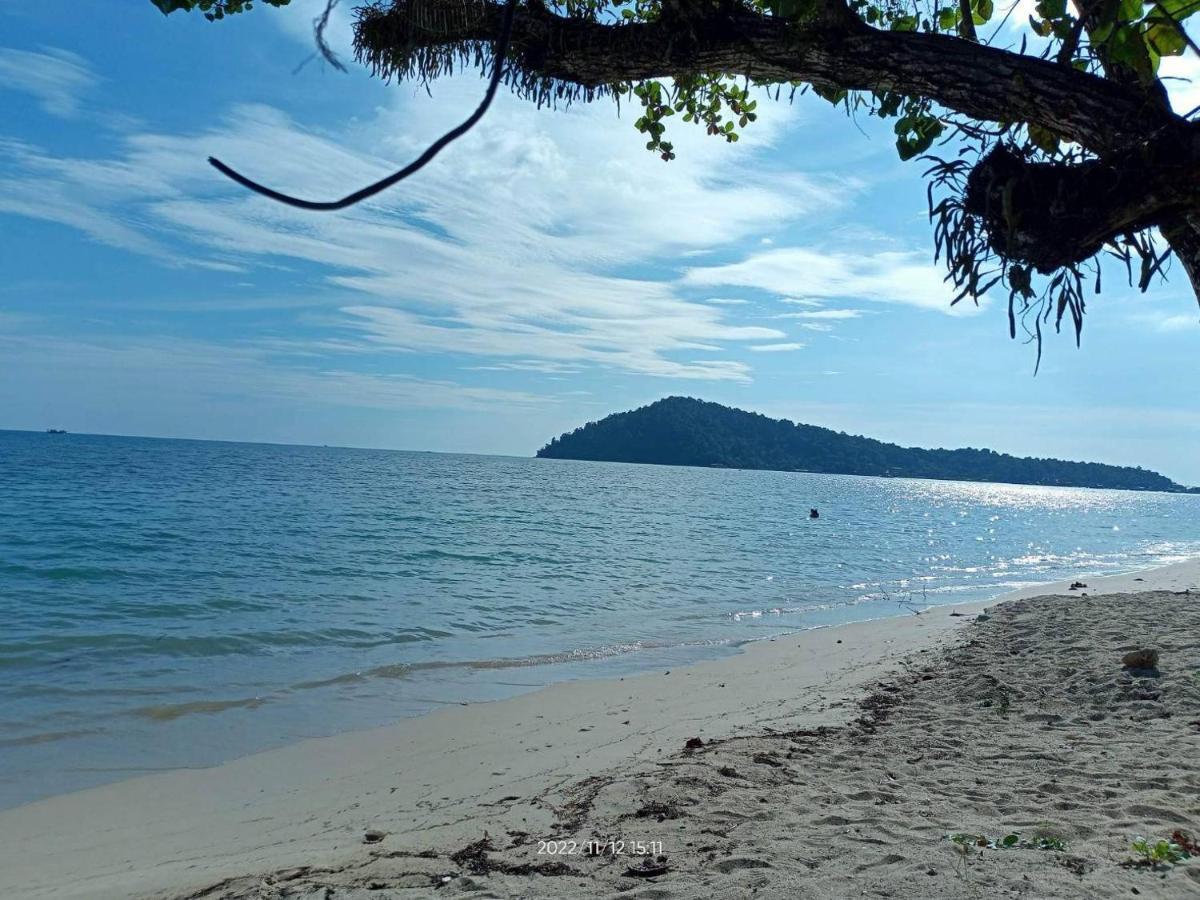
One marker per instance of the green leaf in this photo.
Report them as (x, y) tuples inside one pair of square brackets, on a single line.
[(1102, 31), (833, 95), (1179, 10), (1044, 138), (213, 10), (1127, 48), (889, 105), (1129, 10), (1051, 9), (789, 9), (1164, 38), (1011, 840), (908, 147), (1040, 28)]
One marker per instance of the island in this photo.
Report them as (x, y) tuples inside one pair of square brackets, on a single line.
[(684, 431)]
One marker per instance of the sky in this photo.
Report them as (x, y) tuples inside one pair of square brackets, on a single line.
[(544, 271)]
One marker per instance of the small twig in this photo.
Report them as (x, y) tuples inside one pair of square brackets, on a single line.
[(319, 24), (1003, 21), (966, 22), (1071, 44)]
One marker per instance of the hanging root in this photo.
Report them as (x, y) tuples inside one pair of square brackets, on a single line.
[(421, 40)]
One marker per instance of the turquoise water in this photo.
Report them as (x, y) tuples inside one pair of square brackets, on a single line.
[(179, 603)]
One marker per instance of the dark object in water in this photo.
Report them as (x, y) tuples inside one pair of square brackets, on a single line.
[(813, 514), (1141, 660), (56, 431)]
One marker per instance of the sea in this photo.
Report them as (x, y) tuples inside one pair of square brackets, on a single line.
[(175, 603)]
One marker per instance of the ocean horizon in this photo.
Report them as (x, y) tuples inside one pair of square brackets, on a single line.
[(181, 602)]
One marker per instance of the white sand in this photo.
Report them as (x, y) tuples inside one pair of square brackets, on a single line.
[(578, 760)]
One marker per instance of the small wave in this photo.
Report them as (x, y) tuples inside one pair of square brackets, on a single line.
[(395, 670), (584, 654), (170, 711), (46, 737)]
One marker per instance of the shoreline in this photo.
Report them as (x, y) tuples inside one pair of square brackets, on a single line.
[(442, 779)]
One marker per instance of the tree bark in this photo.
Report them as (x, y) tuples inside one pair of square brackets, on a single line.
[(1183, 234)]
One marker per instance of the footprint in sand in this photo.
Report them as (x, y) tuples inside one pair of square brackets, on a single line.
[(733, 863)]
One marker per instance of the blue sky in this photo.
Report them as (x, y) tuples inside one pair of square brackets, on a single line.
[(544, 271)]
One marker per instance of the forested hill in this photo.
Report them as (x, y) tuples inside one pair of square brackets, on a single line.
[(682, 431)]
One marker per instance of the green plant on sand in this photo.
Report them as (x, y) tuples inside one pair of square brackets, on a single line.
[(1011, 841), (1168, 851)]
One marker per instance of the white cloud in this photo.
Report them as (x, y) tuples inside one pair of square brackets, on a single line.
[(1181, 75), (824, 314), (1017, 15), (890, 276), (776, 348), (613, 347), (87, 195), (1179, 323), (57, 78), (518, 243)]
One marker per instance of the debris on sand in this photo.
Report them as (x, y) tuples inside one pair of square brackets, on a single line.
[(649, 868), (473, 857), (658, 811)]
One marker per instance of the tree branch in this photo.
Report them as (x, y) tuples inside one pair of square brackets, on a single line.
[(829, 48), (1183, 234), (1052, 215)]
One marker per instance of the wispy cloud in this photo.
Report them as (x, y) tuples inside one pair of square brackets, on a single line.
[(889, 276), (57, 78), (95, 197), (517, 244), (1169, 322), (824, 314), (776, 348)]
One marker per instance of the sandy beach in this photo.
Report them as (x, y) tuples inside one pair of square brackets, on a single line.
[(830, 763)]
